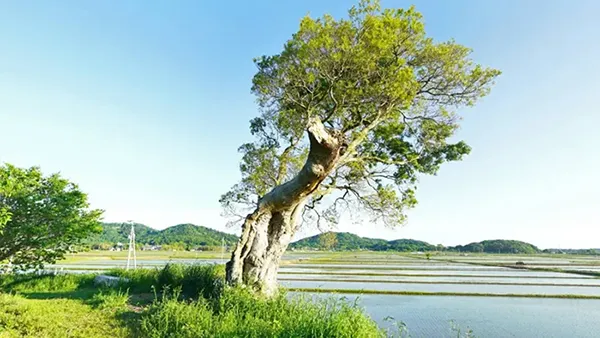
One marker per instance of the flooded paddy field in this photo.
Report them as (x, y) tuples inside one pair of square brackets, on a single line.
[(492, 317)]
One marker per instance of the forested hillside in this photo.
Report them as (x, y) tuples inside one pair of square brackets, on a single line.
[(349, 241), (498, 246), (183, 235), (188, 236)]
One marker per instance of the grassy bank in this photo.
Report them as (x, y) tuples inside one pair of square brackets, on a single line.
[(420, 293), (175, 301)]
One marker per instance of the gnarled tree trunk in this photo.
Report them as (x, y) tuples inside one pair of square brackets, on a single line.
[(268, 230)]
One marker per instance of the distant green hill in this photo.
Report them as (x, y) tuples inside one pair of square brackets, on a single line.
[(192, 236), (498, 246), (349, 241), (188, 235), (591, 251)]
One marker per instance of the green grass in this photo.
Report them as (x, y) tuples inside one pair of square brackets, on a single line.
[(46, 283), (176, 301), (23, 317), (423, 293), (238, 313)]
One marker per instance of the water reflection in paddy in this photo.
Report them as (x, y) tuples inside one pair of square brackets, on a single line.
[(467, 288), (399, 267), (462, 279), (430, 316), (499, 271)]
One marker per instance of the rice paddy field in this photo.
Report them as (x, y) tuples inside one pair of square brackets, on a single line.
[(492, 295)]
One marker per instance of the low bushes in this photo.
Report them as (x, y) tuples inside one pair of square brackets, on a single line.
[(195, 303), (239, 313), (193, 281)]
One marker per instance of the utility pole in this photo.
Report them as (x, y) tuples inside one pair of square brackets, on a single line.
[(131, 252)]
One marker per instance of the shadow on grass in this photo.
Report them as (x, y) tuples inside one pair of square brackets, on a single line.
[(131, 320), (80, 294)]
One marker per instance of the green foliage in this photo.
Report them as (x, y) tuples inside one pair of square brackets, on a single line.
[(117, 232), (498, 246), (594, 252), (349, 241), (110, 299), (192, 281), (239, 313), (41, 217), (194, 235), (179, 237), (328, 240), (377, 82)]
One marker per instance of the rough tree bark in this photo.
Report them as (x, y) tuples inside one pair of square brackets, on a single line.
[(268, 230)]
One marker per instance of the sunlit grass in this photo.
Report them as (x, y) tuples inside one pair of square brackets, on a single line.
[(175, 301), (23, 317), (238, 313)]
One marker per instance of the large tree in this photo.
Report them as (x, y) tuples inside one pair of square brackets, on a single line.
[(328, 240), (41, 217), (378, 101)]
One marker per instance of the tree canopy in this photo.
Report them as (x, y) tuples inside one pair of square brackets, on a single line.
[(498, 246), (41, 217), (328, 240), (378, 84)]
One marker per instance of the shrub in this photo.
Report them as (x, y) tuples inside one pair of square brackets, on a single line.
[(140, 280), (193, 280), (240, 313), (110, 299)]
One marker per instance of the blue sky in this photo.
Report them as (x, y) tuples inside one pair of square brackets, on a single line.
[(144, 103)]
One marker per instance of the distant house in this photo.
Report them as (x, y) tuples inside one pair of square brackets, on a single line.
[(118, 247), (151, 247)]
